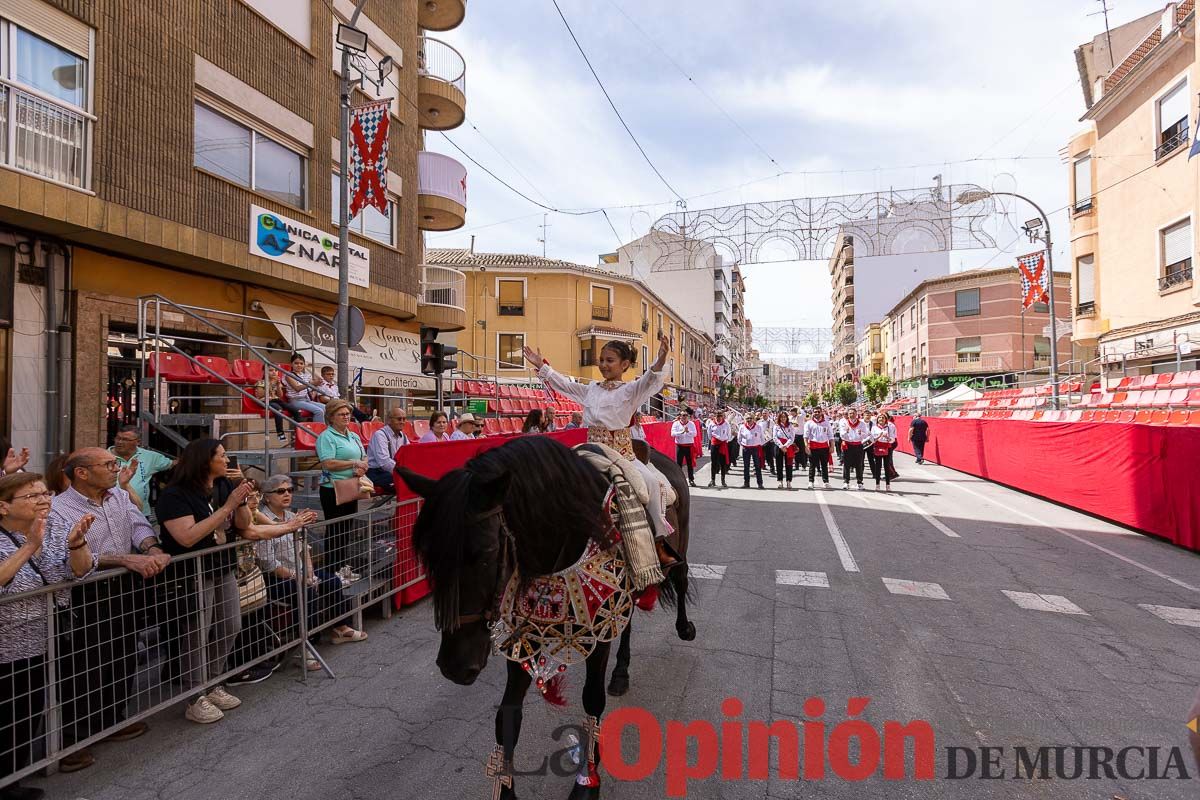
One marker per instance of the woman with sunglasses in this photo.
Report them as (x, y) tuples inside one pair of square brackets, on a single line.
[(33, 554), (277, 558)]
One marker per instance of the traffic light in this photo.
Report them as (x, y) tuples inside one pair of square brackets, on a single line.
[(431, 351), (446, 364)]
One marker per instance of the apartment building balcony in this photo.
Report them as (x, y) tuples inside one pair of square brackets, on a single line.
[(971, 363), (441, 302), (42, 136), (441, 192), (441, 85), (441, 15)]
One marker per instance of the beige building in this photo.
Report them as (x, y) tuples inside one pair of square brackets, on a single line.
[(568, 311), (1135, 304), (869, 352), (841, 276)]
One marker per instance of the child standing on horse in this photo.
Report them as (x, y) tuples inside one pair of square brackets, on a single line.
[(609, 406)]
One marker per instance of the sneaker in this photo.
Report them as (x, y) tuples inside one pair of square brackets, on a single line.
[(846, 487), (711, 484), (204, 712), (256, 674), (222, 699), (813, 485), (887, 487), (779, 484), (861, 488), (827, 484), (789, 484), (282, 437)]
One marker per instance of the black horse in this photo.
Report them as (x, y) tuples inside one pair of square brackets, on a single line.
[(534, 505)]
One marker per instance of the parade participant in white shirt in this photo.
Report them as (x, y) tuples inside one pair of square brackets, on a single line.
[(684, 434), (818, 434), (883, 442), (608, 408), (735, 419), (854, 433), (719, 434), (784, 435), (798, 418), (466, 429), (751, 435)]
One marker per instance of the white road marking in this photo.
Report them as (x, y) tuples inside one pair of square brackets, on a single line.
[(1044, 602), (710, 571), (931, 591), (1176, 616), (1131, 562), (839, 541), (930, 518), (793, 577)]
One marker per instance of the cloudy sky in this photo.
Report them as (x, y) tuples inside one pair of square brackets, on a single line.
[(841, 97)]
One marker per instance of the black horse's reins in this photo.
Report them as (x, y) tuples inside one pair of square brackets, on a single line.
[(508, 561)]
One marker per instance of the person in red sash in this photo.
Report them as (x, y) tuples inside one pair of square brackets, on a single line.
[(752, 436), (719, 435), (883, 442), (854, 432), (684, 434), (784, 436), (818, 434)]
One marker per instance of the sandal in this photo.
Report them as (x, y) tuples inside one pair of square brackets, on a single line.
[(353, 636)]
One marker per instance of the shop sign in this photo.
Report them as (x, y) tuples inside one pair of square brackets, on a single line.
[(287, 241), (477, 407), (371, 379), (380, 348), (940, 383)]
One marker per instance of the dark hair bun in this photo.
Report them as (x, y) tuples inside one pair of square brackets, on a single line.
[(623, 350)]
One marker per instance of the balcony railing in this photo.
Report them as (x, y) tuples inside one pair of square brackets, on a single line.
[(602, 312), (43, 137), (1086, 309), (1174, 138), (440, 61), (1082, 205), (441, 176), (969, 362), (511, 309), (442, 286), (1176, 277)]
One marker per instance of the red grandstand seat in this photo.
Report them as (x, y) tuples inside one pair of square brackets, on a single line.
[(1164, 379), (451, 426), (370, 427), (173, 367), (1104, 400), (1126, 416), (491, 426), (474, 388), (1193, 398), (506, 406), (1177, 397), (1159, 416), (1193, 419), (410, 431), (1179, 417), (510, 425), (1123, 384), (420, 428), (307, 433), (493, 406), (356, 429), (459, 386), (1143, 416), (217, 365), (1132, 400), (1073, 415), (247, 371), (1089, 415), (1157, 399), (1180, 379)]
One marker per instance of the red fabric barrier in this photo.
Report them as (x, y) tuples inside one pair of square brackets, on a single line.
[(658, 436), (1142, 476)]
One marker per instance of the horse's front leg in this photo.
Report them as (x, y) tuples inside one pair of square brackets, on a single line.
[(618, 685), (508, 725), (683, 626), (587, 782)]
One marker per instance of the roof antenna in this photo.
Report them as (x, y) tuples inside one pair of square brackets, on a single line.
[(1107, 33)]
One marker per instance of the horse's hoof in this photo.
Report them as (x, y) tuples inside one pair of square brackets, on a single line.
[(584, 793), (686, 631), (507, 793), (618, 685)]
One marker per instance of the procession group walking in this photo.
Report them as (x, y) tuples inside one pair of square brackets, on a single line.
[(788, 443)]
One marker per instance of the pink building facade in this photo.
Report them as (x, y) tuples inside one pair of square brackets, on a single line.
[(969, 327)]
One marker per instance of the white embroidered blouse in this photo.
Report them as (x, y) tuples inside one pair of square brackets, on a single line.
[(606, 408)]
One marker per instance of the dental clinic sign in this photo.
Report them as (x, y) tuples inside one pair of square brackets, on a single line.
[(279, 238)]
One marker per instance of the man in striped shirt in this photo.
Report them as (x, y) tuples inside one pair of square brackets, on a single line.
[(98, 647)]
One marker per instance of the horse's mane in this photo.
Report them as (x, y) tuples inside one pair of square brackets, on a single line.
[(552, 498)]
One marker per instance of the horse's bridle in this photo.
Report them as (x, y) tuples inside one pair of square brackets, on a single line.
[(508, 561)]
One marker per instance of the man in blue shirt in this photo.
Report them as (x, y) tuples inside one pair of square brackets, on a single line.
[(381, 450), (918, 434), (127, 448)]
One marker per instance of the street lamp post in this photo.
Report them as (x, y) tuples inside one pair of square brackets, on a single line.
[(1030, 228)]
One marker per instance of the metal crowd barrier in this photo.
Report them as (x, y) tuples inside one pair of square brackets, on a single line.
[(83, 659)]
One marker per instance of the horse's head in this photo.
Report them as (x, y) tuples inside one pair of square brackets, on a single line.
[(462, 539)]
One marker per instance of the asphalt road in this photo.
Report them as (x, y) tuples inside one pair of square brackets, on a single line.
[(1001, 620)]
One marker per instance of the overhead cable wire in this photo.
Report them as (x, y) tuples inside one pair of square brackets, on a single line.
[(608, 97), (698, 87)]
